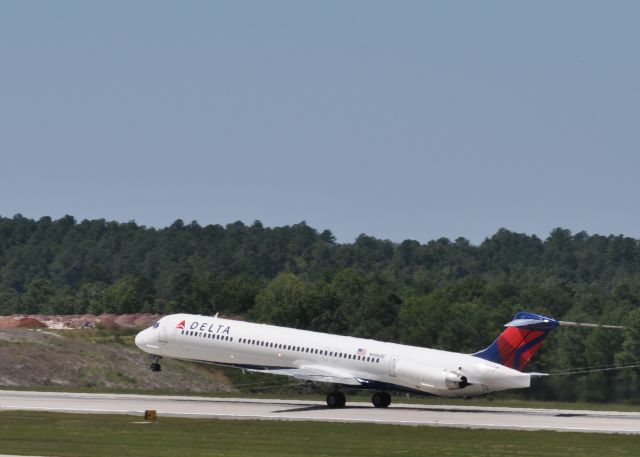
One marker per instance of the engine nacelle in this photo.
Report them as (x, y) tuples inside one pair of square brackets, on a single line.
[(454, 380), (425, 377)]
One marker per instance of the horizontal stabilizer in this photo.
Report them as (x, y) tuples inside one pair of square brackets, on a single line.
[(582, 324)]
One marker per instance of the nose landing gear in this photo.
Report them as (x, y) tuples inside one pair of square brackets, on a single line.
[(155, 362)]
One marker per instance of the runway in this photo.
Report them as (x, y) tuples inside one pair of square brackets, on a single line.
[(303, 410)]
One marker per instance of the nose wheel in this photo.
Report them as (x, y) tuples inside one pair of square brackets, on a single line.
[(155, 362)]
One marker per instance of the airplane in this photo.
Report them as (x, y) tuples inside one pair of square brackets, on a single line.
[(349, 362)]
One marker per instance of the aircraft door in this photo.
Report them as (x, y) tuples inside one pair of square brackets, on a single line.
[(392, 366), (163, 338)]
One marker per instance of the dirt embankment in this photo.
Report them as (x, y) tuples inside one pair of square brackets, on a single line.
[(92, 352), (78, 321)]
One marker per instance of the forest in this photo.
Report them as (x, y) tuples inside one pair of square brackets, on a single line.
[(446, 294)]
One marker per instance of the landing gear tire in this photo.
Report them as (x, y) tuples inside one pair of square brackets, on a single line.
[(381, 399), (336, 400), (155, 363)]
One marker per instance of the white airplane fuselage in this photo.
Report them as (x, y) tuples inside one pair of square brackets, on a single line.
[(321, 357)]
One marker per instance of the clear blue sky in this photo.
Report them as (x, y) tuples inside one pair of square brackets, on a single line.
[(396, 119)]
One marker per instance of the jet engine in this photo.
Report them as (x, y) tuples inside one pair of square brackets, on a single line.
[(455, 380), (431, 378)]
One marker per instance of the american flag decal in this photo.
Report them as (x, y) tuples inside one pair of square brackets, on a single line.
[(362, 352)]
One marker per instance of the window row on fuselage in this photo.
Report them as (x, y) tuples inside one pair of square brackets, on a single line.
[(309, 350), (211, 336), (285, 347)]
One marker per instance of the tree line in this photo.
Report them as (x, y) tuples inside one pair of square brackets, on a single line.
[(448, 294)]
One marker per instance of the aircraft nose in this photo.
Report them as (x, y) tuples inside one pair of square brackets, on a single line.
[(142, 339)]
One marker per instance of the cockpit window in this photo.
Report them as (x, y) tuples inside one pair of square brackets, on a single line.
[(156, 325)]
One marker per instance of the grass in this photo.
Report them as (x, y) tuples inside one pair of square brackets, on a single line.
[(107, 435)]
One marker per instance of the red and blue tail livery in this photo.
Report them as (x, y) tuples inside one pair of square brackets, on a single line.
[(523, 337)]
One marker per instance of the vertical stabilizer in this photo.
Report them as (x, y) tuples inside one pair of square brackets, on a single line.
[(522, 338)]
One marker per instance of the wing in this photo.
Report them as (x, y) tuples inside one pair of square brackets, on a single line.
[(316, 374)]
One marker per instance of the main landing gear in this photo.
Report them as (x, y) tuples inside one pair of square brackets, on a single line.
[(379, 400), (336, 400), (155, 362)]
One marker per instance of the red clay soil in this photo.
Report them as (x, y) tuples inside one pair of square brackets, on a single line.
[(20, 322), (78, 321)]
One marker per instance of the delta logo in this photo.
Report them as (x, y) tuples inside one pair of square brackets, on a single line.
[(181, 325)]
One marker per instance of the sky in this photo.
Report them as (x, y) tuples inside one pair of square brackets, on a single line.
[(401, 120)]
